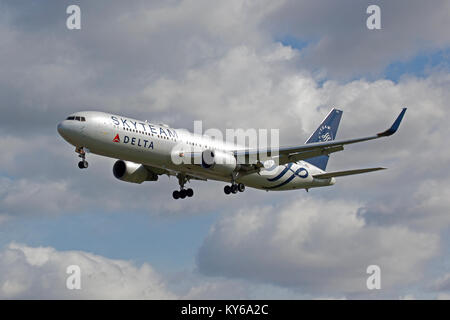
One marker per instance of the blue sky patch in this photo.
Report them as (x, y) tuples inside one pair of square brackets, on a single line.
[(420, 65), (293, 42)]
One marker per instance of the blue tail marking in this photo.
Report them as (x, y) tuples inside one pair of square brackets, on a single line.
[(278, 177), (325, 132)]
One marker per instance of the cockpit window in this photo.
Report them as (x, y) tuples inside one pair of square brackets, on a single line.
[(83, 119)]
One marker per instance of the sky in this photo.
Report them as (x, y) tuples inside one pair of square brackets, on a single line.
[(232, 64)]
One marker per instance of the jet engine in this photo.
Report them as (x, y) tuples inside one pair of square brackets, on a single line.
[(132, 172), (219, 161)]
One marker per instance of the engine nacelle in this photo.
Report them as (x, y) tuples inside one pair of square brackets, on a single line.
[(132, 172), (219, 161)]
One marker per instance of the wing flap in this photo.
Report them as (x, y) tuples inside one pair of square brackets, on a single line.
[(169, 172)]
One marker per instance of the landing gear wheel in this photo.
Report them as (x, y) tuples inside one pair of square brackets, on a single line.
[(183, 193), (234, 188), (83, 164), (227, 189), (241, 187)]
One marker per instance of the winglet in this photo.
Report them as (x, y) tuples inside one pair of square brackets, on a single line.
[(394, 127)]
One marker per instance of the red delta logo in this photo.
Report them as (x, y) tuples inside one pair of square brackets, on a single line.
[(116, 138)]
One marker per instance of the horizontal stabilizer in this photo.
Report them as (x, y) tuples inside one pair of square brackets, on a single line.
[(344, 173)]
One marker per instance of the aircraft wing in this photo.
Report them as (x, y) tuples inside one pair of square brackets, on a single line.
[(310, 150), (159, 171)]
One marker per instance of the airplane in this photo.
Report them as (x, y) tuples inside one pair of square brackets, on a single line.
[(146, 151)]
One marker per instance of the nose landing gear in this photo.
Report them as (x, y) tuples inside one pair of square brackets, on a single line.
[(83, 164)]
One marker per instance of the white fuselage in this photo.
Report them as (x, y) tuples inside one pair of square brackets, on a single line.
[(141, 142)]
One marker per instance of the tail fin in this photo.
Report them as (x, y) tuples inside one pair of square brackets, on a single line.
[(325, 132)]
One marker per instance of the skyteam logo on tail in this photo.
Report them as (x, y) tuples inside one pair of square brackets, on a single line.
[(116, 138), (325, 133)]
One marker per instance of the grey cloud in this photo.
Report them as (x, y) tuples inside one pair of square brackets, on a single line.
[(49, 71), (342, 46), (120, 57)]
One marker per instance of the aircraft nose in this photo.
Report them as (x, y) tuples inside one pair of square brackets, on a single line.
[(66, 130), (71, 131), (61, 128)]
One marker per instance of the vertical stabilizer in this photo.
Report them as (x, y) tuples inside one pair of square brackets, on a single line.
[(325, 132)]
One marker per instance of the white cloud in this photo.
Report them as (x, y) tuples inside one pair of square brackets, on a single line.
[(442, 284), (313, 246), (443, 296), (217, 289), (40, 273)]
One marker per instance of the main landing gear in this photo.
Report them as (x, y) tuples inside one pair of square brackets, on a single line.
[(83, 164), (234, 188), (183, 193)]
